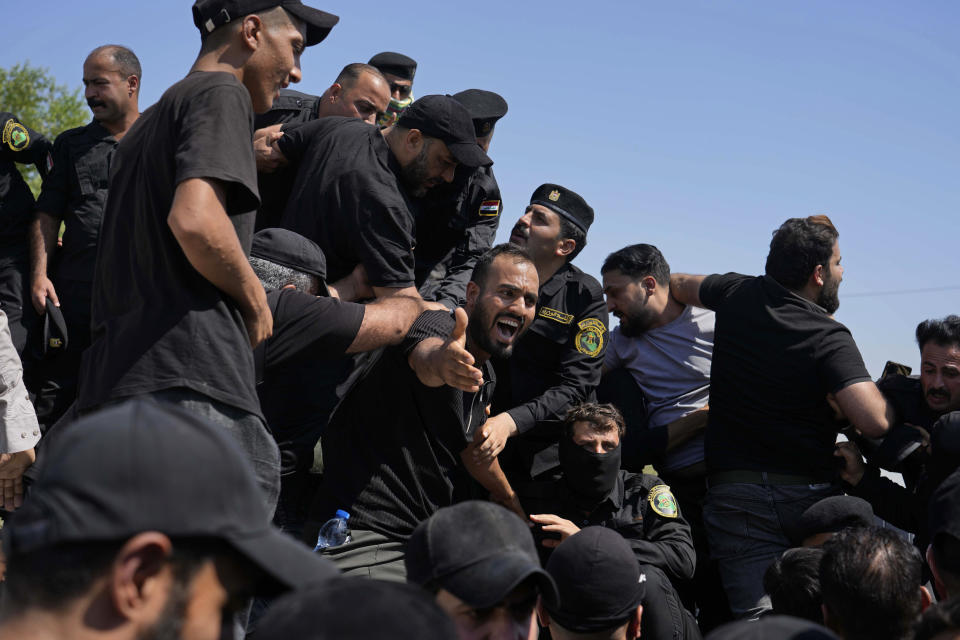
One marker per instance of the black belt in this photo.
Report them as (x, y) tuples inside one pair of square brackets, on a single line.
[(742, 476)]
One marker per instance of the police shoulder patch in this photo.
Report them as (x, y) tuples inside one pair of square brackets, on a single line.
[(591, 337), (15, 135), (553, 314), (663, 501)]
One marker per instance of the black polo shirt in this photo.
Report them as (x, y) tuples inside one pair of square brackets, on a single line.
[(347, 199), (76, 192), (157, 323), (776, 356), (555, 366), (456, 224), (18, 143), (391, 452), (299, 367)]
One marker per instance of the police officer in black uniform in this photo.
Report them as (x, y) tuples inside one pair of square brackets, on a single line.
[(22, 144), (594, 491), (457, 222), (557, 365), (75, 193), (399, 71)]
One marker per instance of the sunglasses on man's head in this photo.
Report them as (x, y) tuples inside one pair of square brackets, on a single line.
[(402, 89)]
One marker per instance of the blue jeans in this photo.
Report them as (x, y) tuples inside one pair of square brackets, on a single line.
[(748, 527)]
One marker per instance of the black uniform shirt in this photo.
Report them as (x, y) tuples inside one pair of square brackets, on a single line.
[(906, 395), (289, 107), (776, 356), (76, 192), (663, 541), (555, 366), (297, 368), (157, 323), (348, 200), (18, 143), (456, 224), (391, 452)]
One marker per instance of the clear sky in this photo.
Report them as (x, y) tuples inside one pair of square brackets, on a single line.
[(697, 126)]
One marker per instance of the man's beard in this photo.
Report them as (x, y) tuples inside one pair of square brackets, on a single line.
[(414, 175), (481, 323), (169, 625), (636, 321), (829, 297)]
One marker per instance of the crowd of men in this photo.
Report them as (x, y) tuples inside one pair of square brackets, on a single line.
[(248, 318)]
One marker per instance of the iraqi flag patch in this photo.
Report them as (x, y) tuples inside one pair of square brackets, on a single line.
[(490, 207)]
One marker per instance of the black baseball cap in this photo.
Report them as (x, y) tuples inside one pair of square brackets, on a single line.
[(598, 579), (485, 107), (358, 608), (396, 64), (444, 118), (144, 466), (835, 513), (208, 15), (55, 337), (565, 203), (290, 249), (772, 628), (478, 551)]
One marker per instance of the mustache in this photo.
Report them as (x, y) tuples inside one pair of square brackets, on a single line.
[(520, 231), (939, 393)]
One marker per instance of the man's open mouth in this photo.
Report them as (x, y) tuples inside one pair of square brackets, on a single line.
[(508, 327)]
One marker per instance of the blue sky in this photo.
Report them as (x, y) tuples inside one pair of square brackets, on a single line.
[(698, 126)]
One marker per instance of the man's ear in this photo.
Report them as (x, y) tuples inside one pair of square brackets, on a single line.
[(817, 276), (335, 90), (566, 246), (250, 31), (133, 85), (473, 293), (414, 140), (925, 599), (633, 627), (542, 616), (648, 284), (140, 576), (938, 585)]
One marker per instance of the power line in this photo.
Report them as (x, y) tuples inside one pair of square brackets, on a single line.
[(899, 292)]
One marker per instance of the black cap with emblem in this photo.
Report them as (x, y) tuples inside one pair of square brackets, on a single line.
[(396, 64), (485, 107), (209, 15), (565, 203)]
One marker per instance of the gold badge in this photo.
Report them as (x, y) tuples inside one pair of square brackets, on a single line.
[(663, 501), (554, 195), (591, 337), (553, 314), (15, 135), (55, 343)]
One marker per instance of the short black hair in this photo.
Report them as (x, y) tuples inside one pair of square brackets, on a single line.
[(599, 416), (639, 261), (482, 268), (945, 332), (870, 580), (798, 246), (125, 59), (575, 233), (350, 73), (793, 584), (939, 617)]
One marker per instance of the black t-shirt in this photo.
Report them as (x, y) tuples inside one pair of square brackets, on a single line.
[(391, 452), (18, 143), (348, 200), (76, 192), (776, 356), (300, 366), (157, 323)]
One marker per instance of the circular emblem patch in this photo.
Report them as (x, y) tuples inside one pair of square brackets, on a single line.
[(663, 501), (590, 338), (15, 135)]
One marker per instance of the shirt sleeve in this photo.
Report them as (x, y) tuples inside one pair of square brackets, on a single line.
[(667, 543), (579, 369), (20, 430), (215, 141), (839, 363), (716, 288), (612, 358), (310, 327), (296, 138), (24, 145), (55, 192)]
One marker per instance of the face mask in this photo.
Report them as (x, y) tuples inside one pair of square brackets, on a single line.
[(394, 109), (590, 476)]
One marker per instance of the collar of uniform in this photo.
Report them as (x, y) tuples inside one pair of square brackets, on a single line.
[(813, 306), (556, 281), (98, 132)]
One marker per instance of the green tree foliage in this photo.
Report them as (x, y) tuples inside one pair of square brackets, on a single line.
[(34, 96)]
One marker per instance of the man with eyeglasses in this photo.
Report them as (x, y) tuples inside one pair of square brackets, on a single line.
[(399, 70), (398, 448)]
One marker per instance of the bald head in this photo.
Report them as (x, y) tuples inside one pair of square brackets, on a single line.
[(360, 91)]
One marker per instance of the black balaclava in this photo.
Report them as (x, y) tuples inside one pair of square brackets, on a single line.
[(590, 476)]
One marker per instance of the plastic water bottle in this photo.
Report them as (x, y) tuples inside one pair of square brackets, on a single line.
[(334, 531)]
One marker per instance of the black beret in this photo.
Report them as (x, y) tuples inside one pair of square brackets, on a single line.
[(395, 64), (564, 203), (772, 628), (835, 513), (354, 607), (598, 579), (485, 107)]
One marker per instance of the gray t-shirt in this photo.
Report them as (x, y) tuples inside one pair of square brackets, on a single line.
[(671, 365)]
